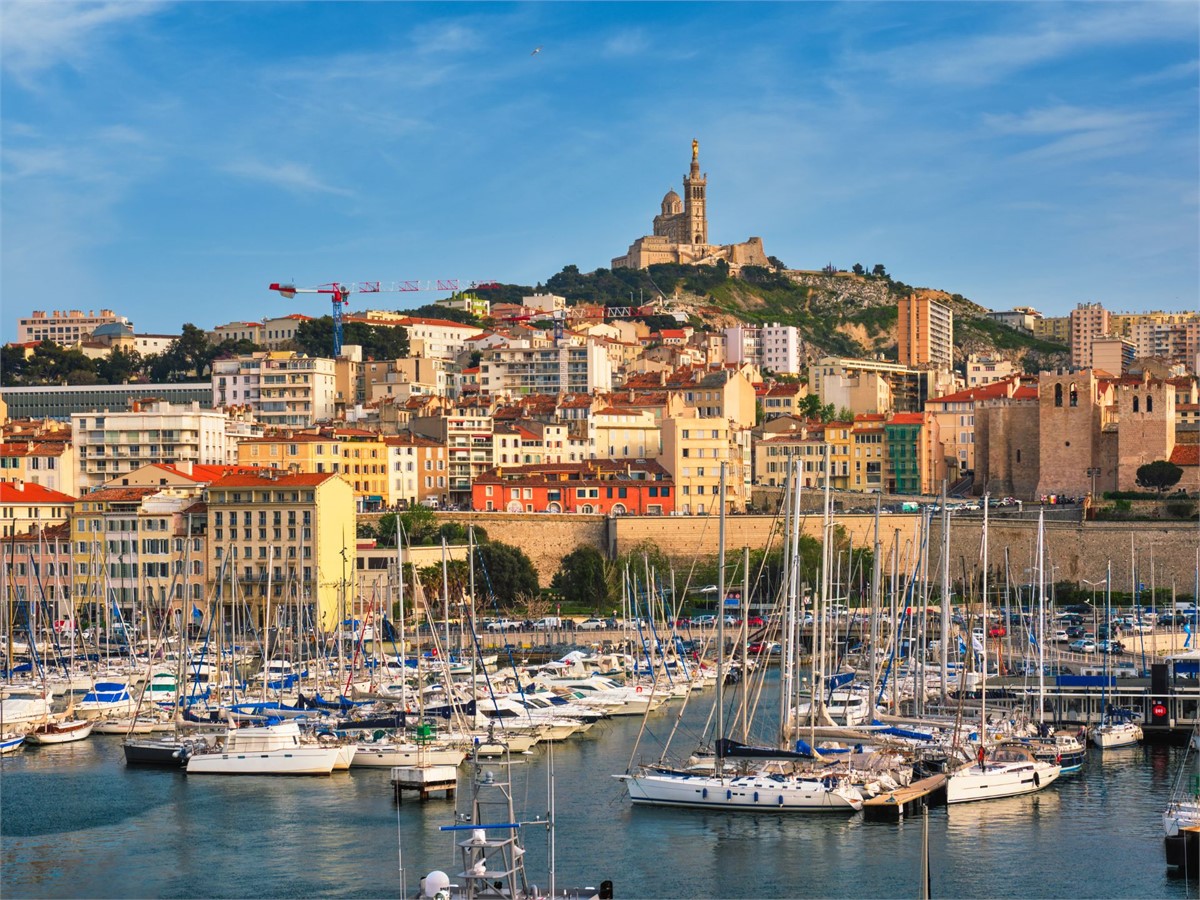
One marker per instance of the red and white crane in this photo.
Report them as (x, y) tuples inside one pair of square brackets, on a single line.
[(341, 292)]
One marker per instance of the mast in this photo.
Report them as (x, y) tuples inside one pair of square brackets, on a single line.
[(1041, 570), (983, 681), (945, 616), (788, 632), (721, 620), (445, 597), (745, 640), (876, 574), (267, 618)]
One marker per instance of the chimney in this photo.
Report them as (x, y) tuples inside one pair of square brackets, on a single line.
[(184, 466), (17, 485)]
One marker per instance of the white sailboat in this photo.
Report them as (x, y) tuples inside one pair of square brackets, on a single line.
[(64, 732), (1117, 730), (1006, 771), (1181, 819)]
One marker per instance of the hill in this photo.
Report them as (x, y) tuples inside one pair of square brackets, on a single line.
[(837, 312)]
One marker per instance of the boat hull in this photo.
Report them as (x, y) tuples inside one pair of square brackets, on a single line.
[(63, 733), (993, 782), (389, 755), (748, 793), (154, 753), (1110, 738), (292, 761)]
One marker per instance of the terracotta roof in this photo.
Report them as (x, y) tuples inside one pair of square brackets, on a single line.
[(991, 391), (1186, 455), (33, 448), (203, 473), (278, 478), (907, 419), (416, 320), (598, 469), (302, 437), (50, 534), (28, 492), (1025, 392), (118, 494), (410, 440)]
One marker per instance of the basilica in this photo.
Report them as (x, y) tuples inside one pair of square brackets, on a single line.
[(681, 232)]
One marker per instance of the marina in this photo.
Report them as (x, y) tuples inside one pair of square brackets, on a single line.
[(118, 831)]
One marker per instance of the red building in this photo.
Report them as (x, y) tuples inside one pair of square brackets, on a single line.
[(599, 486)]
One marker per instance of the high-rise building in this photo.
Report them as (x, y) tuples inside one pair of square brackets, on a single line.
[(925, 332), (1088, 322), (1113, 354), (772, 347)]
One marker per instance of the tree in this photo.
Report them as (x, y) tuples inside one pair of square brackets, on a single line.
[(1159, 475), (879, 271), (315, 337), (585, 577), (433, 311), (845, 414), (505, 572), (419, 525), (858, 269), (119, 366)]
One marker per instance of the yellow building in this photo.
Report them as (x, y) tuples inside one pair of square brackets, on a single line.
[(361, 457), (693, 451), (24, 505), (417, 469), (48, 463), (867, 438), (293, 531)]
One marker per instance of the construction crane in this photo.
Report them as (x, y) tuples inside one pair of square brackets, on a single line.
[(341, 294)]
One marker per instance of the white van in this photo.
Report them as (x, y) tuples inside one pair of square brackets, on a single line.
[(430, 503), (548, 623)]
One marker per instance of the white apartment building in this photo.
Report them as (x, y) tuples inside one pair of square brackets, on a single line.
[(544, 302), (282, 389), (981, 371), (108, 444), (574, 366), (693, 451), (624, 434), (775, 347), (437, 338), (64, 327)]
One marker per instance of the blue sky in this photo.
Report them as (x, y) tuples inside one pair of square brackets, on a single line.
[(170, 160)]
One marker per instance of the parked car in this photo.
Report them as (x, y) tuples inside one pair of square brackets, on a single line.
[(759, 647), (1061, 637), (592, 624), (705, 621), (683, 622), (752, 621), (504, 625), (1111, 647), (997, 631), (1083, 645), (1074, 631)]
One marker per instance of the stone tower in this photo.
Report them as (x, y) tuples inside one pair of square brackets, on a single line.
[(695, 214), (1146, 417)]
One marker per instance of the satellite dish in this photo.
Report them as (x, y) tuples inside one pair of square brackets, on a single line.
[(435, 882)]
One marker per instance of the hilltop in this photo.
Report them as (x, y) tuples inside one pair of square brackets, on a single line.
[(847, 313)]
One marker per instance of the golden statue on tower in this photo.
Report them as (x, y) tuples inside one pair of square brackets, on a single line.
[(695, 150)]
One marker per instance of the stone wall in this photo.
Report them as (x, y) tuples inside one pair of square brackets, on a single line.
[(545, 537), (1079, 551)]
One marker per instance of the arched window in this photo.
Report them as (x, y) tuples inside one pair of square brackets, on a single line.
[(1149, 403), (1018, 456), (1135, 403), (1074, 395), (1058, 395)]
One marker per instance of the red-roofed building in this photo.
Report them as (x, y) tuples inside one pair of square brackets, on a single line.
[(956, 419), (915, 459), (48, 463), (604, 487), (24, 505)]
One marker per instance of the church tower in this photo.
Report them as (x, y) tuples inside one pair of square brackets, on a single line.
[(695, 215)]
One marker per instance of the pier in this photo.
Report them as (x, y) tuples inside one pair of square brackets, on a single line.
[(425, 780), (905, 801)]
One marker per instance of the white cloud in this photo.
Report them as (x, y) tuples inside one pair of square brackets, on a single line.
[(289, 175), (40, 35), (632, 42), (1074, 133)]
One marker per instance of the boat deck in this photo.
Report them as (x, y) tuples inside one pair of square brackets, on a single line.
[(895, 805)]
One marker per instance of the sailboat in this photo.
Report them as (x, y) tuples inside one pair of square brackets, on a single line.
[(1116, 730), (63, 732), (1181, 819), (1008, 770), (745, 777)]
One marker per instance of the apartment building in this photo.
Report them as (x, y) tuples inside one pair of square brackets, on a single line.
[(60, 402), (596, 487), (467, 436), (572, 366), (279, 333), (418, 469), (981, 370), (693, 451), (111, 443), (1053, 328), (48, 463), (867, 441), (614, 433), (25, 506), (291, 532), (772, 347), (65, 327), (915, 458), (282, 389), (1088, 322), (37, 582), (925, 332), (1113, 354)]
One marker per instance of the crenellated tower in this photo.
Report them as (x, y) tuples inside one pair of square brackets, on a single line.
[(695, 202)]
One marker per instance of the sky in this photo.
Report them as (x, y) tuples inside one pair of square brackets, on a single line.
[(170, 160)]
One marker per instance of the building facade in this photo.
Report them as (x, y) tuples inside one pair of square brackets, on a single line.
[(925, 332), (65, 327), (597, 487)]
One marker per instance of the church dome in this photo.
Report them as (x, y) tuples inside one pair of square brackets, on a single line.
[(671, 204)]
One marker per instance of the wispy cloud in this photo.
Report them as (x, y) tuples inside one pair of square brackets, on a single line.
[(632, 42), (39, 35), (1073, 132), (1041, 34), (1184, 71), (290, 176)]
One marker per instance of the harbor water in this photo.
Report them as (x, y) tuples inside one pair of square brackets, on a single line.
[(76, 822)]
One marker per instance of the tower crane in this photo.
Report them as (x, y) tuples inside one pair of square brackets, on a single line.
[(341, 292)]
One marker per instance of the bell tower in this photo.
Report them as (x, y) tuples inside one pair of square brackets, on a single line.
[(695, 202)]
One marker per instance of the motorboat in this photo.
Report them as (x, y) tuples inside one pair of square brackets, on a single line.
[(23, 705), (106, 698), (10, 743), (63, 732), (272, 749), (1005, 771), (386, 754)]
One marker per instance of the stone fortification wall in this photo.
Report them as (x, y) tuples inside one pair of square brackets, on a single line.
[(1079, 551), (545, 537)]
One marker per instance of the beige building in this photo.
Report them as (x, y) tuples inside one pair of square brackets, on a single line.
[(1053, 328), (624, 434), (572, 366), (418, 469), (282, 389), (65, 327), (467, 436), (1113, 354), (981, 371), (48, 463), (24, 505), (1088, 322), (680, 232), (868, 438), (693, 452), (292, 532), (925, 332)]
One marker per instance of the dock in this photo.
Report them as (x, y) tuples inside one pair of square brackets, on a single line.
[(425, 780), (895, 805)]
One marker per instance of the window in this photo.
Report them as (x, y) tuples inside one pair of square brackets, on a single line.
[(1135, 403), (1149, 404), (1074, 395), (1058, 392)]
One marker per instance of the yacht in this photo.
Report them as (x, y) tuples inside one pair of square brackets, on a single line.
[(763, 791), (273, 749), (1007, 771)]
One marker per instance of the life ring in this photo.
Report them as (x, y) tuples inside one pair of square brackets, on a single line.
[(639, 688)]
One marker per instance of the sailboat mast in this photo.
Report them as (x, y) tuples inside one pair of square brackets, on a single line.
[(986, 630), (744, 639), (721, 619), (788, 635), (445, 597), (943, 653), (876, 574), (1041, 569)]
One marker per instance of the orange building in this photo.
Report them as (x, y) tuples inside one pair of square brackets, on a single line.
[(600, 486)]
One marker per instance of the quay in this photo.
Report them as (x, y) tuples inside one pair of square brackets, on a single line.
[(425, 780), (895, 805)]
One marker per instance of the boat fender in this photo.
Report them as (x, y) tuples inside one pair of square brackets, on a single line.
[(729, 795), (781, 799), (756, 796), (1037, 780), (639, 688), (704, 794)]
